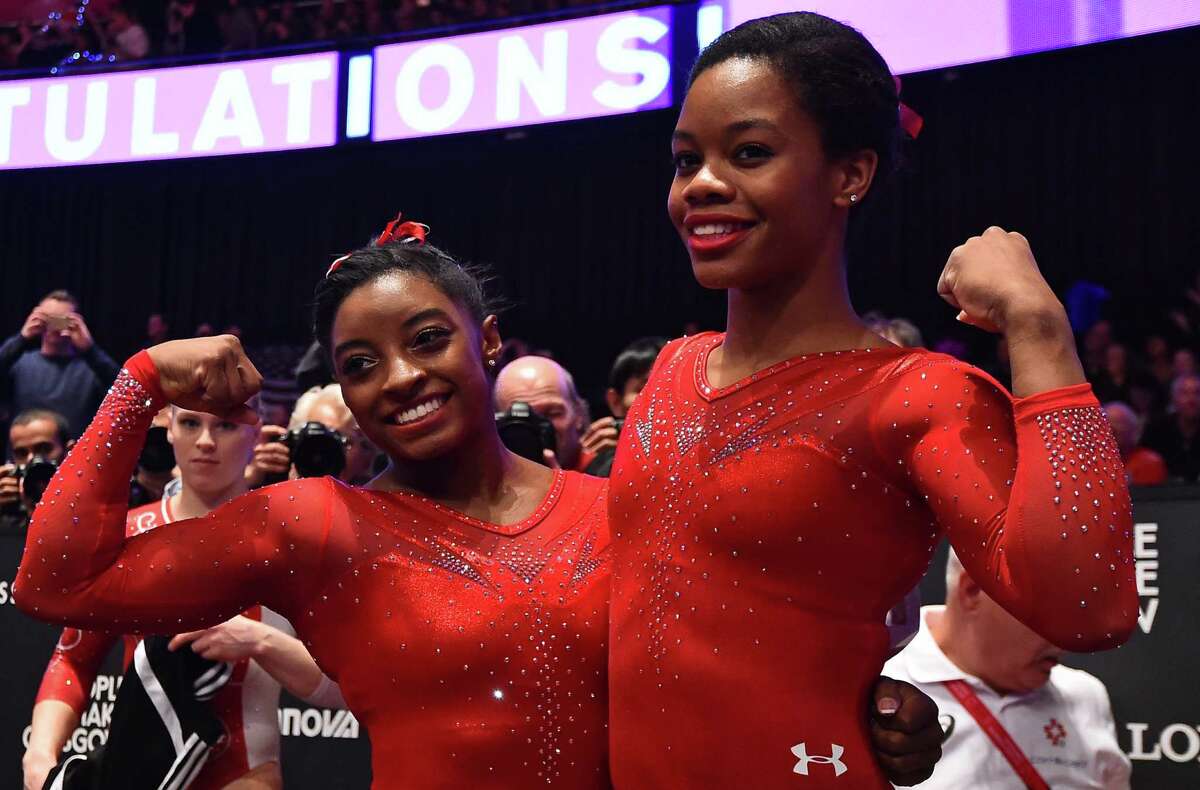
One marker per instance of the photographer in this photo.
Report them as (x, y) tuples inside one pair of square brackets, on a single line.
[(322, 438), (38, 440), (550, 392), (625, 382), (53, 363)]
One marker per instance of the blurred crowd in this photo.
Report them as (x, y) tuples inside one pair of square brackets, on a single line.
[(130, 30), (53, 374)]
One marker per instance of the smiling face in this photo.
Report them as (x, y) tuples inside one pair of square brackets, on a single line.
[(754, 193), (411, 362)]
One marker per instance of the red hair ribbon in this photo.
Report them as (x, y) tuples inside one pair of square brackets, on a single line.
[(910, 121), (396, 231), (403, 232)]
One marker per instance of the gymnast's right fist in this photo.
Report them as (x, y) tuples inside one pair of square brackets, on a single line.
[(210, 374)]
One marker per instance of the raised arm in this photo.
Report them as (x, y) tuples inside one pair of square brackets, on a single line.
[(79, 568), (1031, 490)]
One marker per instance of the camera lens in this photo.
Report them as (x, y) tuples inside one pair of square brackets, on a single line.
[(318, 451), (37, 475)]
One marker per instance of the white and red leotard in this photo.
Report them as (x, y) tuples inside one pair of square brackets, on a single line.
[(473, 653), (246, 705), (762, 530)]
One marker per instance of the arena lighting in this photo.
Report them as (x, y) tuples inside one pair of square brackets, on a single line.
[(577, 68)]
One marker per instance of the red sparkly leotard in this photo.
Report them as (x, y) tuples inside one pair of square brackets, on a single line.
[(762, 530), (246, 705), (473, 653)]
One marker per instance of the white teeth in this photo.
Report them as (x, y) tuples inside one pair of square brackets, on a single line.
[(420, 410), (713, 229)]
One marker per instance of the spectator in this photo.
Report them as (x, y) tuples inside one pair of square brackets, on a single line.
[(1095, 342), (1158, 360), (204, 329), (239, 30), (36, 433), (127, 39), (53, 363), (157, 330), (156, 464), (550, 391), (272, 459), (1174, 437), (179, 13), (903, 332), (1183, 363), (1143, 466), (625, 382), (1113, 381), (1059, 718)]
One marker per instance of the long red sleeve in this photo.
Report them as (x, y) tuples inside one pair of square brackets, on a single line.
[(73, 667), (1031, 493), (80, 569)]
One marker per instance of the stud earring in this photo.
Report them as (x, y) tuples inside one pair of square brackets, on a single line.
[(491, 363), (854, 198)]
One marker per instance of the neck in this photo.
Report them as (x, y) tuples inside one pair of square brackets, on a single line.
[(190, 503), (952, 633), (49, 350), (473, 473), (811, 312)]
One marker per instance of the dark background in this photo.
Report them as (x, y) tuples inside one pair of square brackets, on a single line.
[(1090, 152)]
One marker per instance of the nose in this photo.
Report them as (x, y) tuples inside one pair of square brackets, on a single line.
[(404, 378), (205, 439), (707, 186)]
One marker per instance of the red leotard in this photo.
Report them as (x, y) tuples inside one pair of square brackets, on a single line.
[(762, 530), (247, 705), (472, 652)]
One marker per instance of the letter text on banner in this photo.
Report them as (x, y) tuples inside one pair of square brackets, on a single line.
[(580, 68), (247, 106)]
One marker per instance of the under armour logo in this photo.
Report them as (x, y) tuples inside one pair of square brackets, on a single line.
[(834, 759)]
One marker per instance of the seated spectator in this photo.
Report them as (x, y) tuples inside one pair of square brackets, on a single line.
[(1183, 363), (626, 381), (273, 460), (53, 363), (239, 29), (1174, 437), (1113, 383), (157, 330), (36, 433), (1143, 466), (971, 652), (550, 391), (1158, 360)]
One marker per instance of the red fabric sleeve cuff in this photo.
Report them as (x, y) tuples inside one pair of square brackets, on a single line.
[(1076, 396), (142, 368)]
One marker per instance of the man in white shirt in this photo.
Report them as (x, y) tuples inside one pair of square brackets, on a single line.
[(1058, 721)]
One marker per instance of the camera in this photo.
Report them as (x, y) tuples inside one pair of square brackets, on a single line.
[(525, 432), (36, 474), (316, 450), (158, 455)]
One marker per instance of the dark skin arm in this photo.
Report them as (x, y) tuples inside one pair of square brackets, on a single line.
[(907, 741)]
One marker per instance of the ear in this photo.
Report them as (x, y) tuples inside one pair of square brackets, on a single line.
[(616, 404), (489, 333), (853, 175)]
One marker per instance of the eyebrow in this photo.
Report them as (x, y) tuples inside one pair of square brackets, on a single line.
[(743, 125), (415, 318)]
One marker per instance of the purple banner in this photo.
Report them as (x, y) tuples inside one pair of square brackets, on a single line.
[(228, 108), (583, 68), (918, 35)]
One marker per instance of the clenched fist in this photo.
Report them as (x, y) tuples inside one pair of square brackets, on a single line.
[(994, 281), (210, 374)]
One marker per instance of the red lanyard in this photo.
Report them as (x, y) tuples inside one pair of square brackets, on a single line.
[(967, 697)]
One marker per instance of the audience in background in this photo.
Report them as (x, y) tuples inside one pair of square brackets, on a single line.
[(1174, 436), (1143, 466), (36, 434), (550, 392), (625, 382), (192, 27), (53, 363)]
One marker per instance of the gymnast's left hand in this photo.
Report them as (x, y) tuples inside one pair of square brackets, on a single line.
[(994, 281), (232, 640), (905, 732)]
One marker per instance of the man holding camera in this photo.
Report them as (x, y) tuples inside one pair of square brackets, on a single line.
[(38, 440), (53, 363), (550, 392), (322, 438)]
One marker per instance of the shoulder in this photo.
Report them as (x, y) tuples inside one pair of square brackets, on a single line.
[(919, 364), (1080, 688), (584, 487)]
